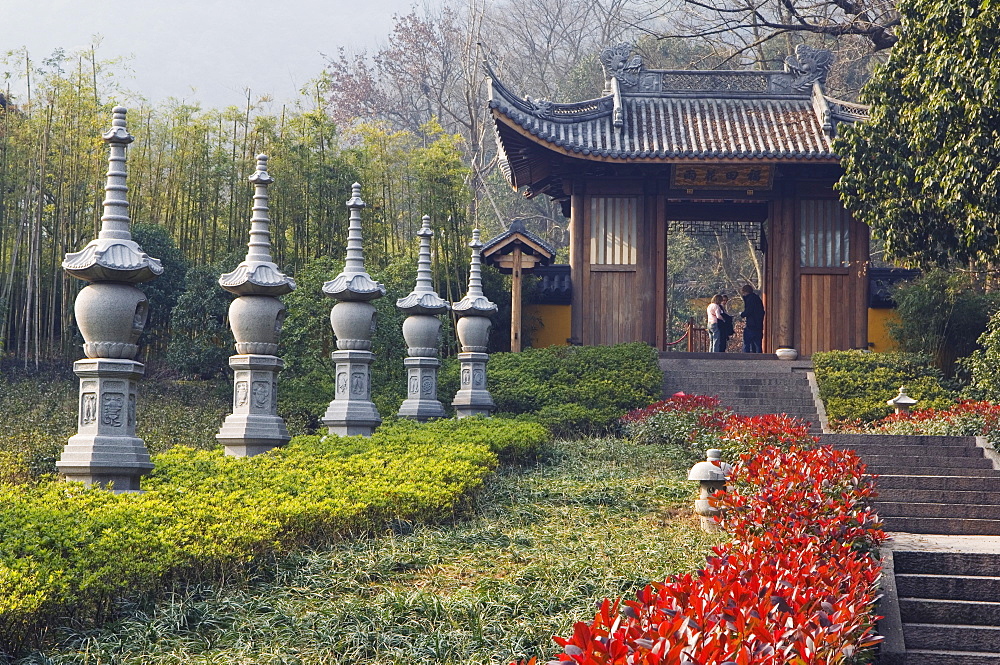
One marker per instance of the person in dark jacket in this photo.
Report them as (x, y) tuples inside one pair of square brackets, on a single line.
[(753, 313)]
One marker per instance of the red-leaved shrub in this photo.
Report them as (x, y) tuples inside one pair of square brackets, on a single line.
[(795, 584)]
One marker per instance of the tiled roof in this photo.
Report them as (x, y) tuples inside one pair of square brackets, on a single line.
[(657, 116)]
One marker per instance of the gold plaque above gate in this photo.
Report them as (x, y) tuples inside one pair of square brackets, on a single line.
[(721, 176)]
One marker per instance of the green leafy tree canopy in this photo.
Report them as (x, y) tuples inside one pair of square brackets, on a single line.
[(924, 170)]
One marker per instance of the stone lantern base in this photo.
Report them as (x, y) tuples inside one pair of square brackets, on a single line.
[(472, 398), (352, 411), (105, 450), (421, 401), (254, 426)]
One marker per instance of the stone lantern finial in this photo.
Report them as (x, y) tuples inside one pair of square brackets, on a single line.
[(421, 330), (354, 283), (475, 303), (255, 318), (113, 256), (258, 274)]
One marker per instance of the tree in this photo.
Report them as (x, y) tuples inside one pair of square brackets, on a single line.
[(200, 341), (924, 170), (754, 22)]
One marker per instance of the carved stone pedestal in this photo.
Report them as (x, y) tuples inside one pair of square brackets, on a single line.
[(472, 398), (352, 411), (421, 401), (254, 426), (105, 450)]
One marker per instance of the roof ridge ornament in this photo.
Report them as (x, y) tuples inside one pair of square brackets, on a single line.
[(620, 63), (809, 65)]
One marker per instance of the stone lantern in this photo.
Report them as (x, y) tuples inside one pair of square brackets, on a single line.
[(353, 319), (111, 313), (902, 402), (473, 327), (255, 317), (421, 330), (711, 476)]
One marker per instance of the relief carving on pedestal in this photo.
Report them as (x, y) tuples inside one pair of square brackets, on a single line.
[(261, 394), (111, 409), (88, 411)]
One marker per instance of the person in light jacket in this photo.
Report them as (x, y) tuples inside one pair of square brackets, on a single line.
[(715, 319)]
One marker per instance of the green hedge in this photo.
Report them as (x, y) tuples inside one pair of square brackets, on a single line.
[(576, 389), (855, 385), (66, 551)]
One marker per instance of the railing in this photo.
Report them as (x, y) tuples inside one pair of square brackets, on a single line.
[(698, 340)]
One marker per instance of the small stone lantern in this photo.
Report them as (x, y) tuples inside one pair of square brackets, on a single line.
[(473, 327), (353, 319), (711, 475), (421, 330), (255, 317), (111, 313), (902, 402)]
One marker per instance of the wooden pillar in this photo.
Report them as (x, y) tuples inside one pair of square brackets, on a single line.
[(784, 299), (859, 264), (515, 302), (576, 264)]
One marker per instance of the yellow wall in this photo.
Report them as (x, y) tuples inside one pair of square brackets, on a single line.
[(878, 331), (554, 324)]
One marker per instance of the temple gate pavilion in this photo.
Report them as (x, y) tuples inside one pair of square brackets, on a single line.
[(667, 149)]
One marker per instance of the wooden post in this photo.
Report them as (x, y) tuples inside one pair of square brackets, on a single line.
[(515, 302), (690, 334)]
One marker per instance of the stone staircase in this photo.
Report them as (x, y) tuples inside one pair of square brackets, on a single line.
[(948, 608), (930, 484), (939, 607), (748, 383)]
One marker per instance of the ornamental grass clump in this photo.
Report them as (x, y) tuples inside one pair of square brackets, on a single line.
[(797, 583)]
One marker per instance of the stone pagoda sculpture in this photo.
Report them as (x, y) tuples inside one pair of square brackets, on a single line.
[(353, 319), (111, 313), (421, 330), (473, 312), (255, 317)]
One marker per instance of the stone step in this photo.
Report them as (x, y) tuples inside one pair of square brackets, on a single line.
[(948, 587), (889, 494), (900, 470), (913, 451), (943, 463), (898, 439), (948, 510), (943, 525), (985, 639), (977, 564), (950, 657), (890, 481), (964, 612)]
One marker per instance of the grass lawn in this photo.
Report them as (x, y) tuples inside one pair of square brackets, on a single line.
[(531, 554)]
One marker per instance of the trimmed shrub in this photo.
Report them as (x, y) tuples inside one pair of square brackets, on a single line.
[(69, 552), (576, 389), (855, 385)]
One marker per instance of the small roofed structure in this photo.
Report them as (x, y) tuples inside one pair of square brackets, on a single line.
[(665, 151), (514, 251)]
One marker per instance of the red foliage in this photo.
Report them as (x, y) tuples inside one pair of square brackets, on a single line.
[(796, 584), (676, 402)]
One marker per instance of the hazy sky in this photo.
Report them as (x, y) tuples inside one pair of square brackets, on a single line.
[(208, 51)]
